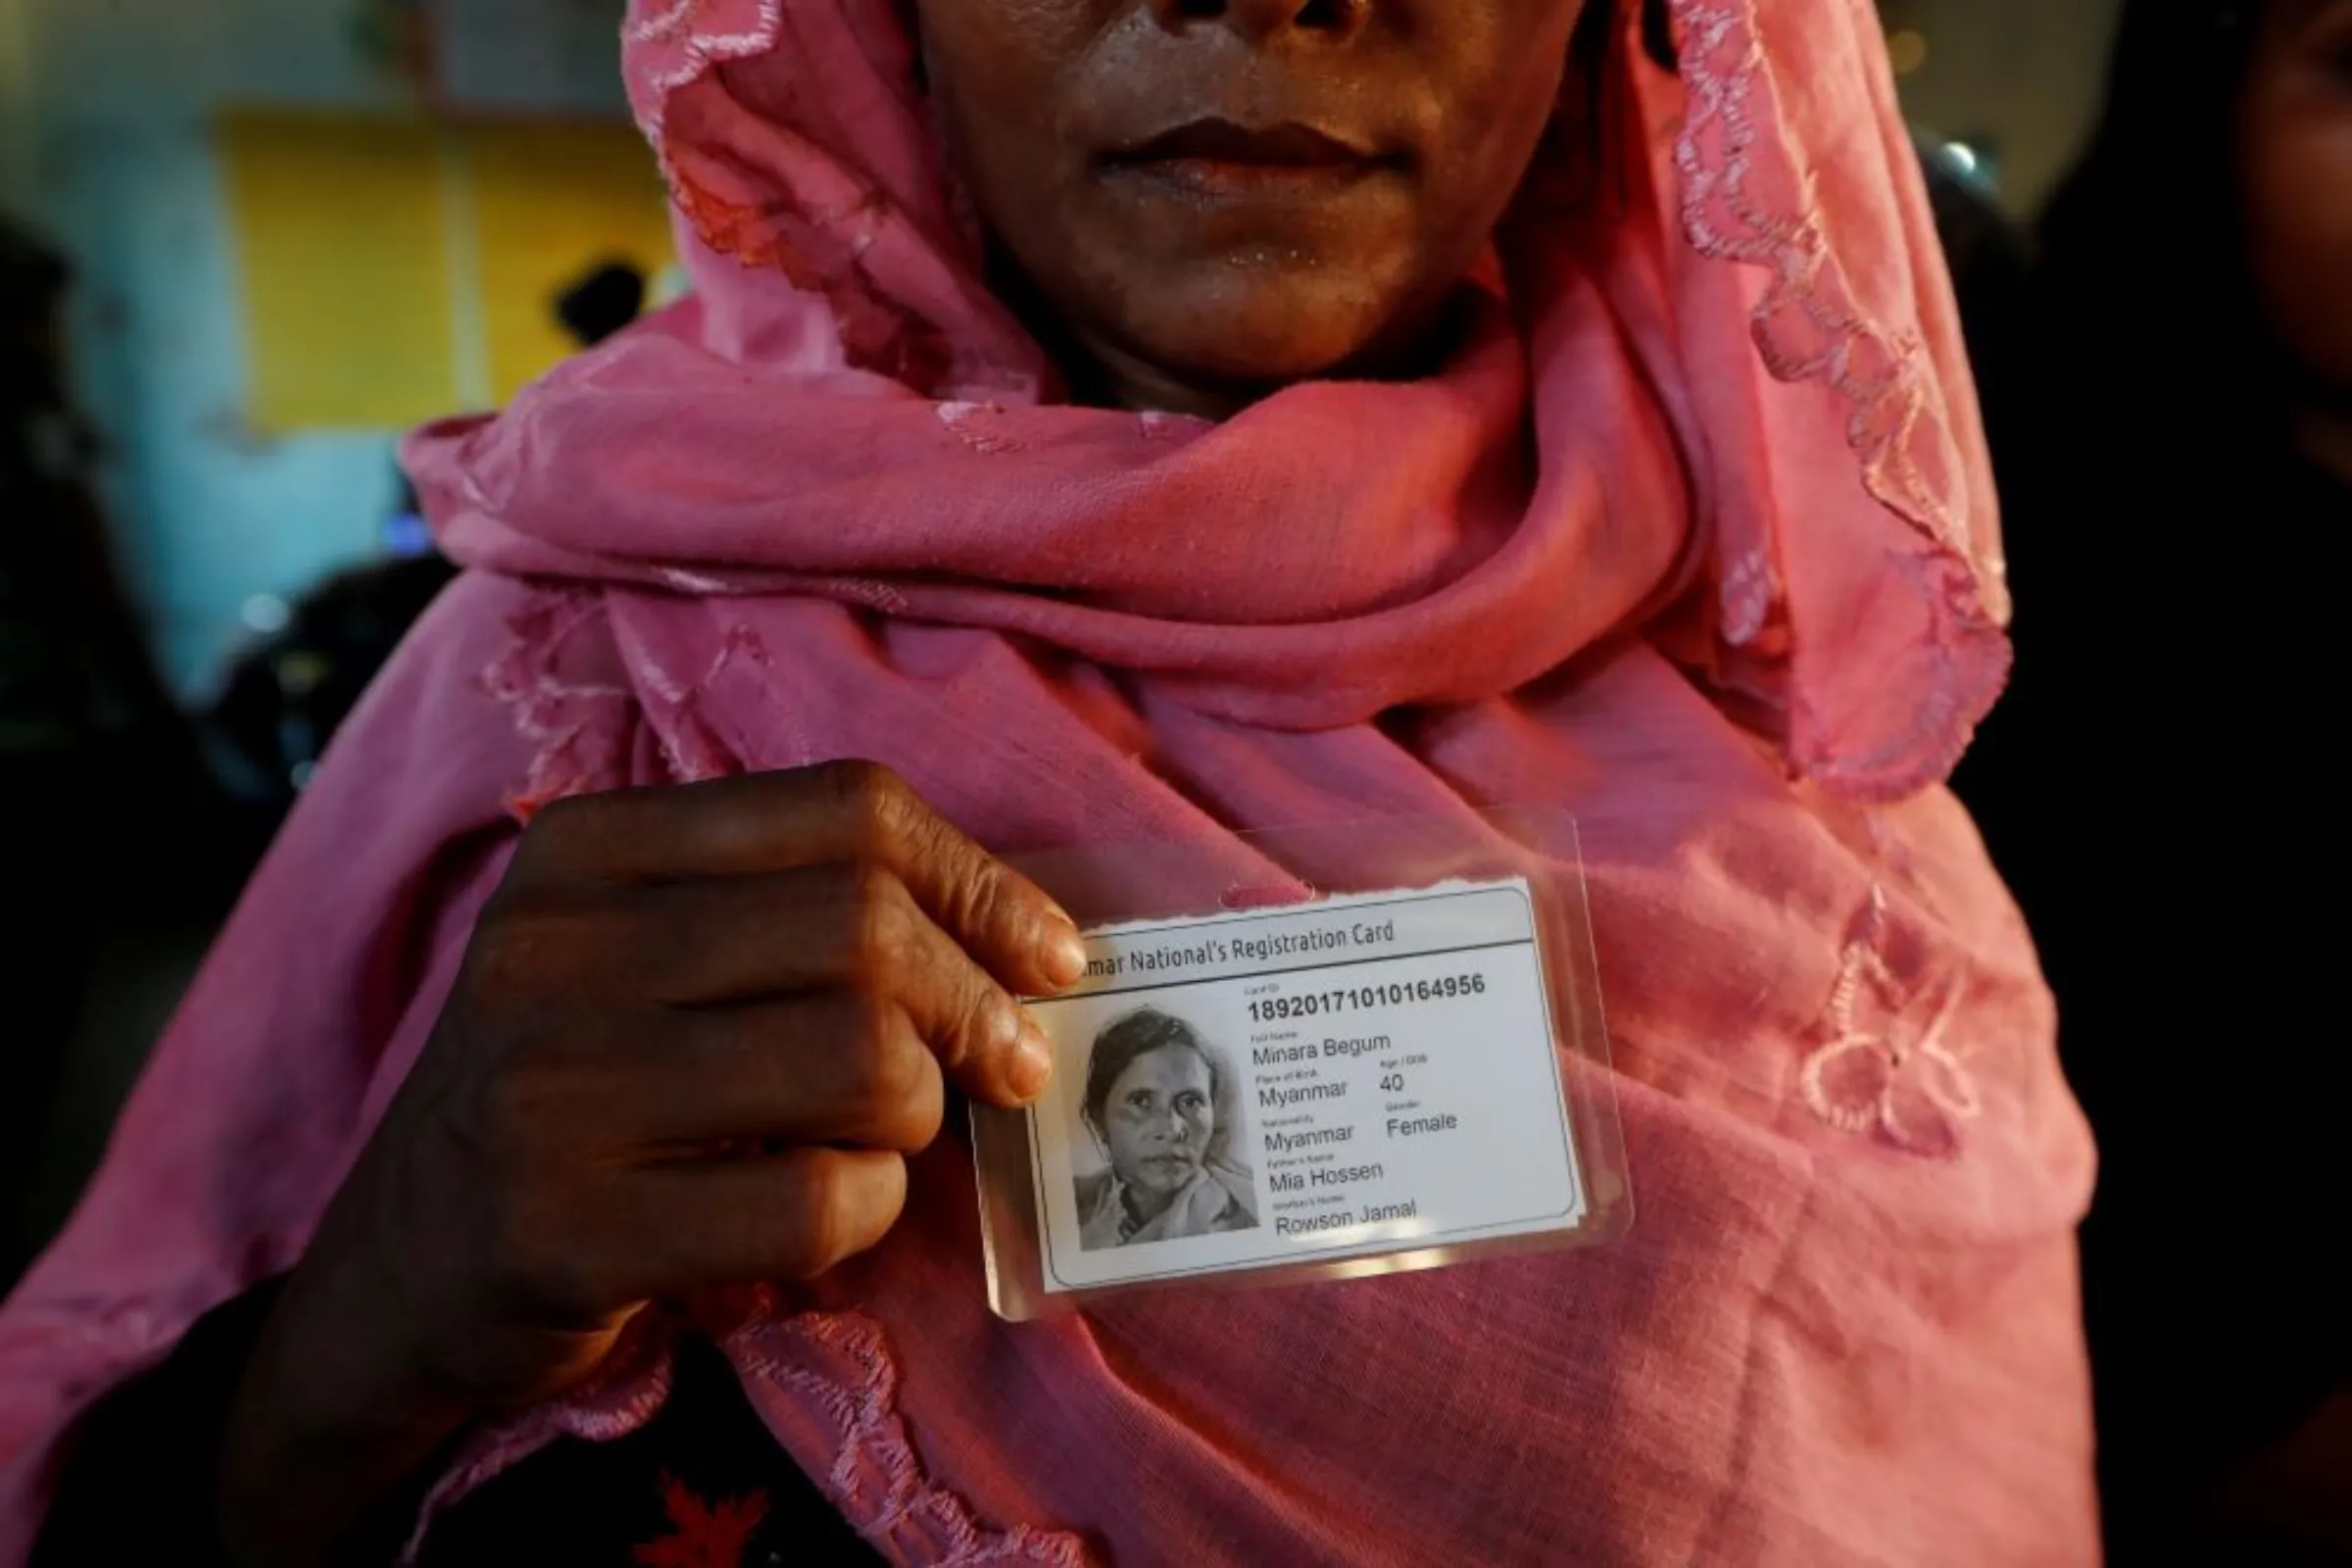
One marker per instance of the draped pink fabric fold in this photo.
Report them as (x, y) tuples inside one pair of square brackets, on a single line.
[(1694, 538)]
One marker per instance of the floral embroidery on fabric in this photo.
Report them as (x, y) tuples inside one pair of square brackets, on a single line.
[(581, 732), (575, 728), (1747, 591), (703, 1534), (871, 594), (839, 1365), (693, 750), (965, 420), (820, 252), (1871, 1078)]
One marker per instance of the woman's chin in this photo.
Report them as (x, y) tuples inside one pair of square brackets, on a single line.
[(1238, 354), (1254, 331), (1164, 1183)]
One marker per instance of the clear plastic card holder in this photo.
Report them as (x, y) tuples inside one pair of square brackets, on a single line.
[(1318, 1052)]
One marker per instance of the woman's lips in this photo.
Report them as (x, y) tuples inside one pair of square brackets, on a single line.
[(1218, 158), (1205, 177)]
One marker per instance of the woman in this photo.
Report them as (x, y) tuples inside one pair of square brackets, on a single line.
[(1153, 1099), (1288, 412), (2176, 440)]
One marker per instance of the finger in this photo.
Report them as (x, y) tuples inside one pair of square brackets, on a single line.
[(672, 1230), (775, 822), (722, 827), (694, 943), (837, 928), (999, 916), (742, 939), (841, 1069)]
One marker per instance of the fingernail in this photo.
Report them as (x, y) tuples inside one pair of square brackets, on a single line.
[(1063, 951), (1032, 1062), (1008, 1025)]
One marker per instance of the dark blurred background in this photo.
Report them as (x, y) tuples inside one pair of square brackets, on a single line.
[(242, 245)]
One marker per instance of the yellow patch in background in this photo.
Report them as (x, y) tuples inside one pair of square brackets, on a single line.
[(396, 270)]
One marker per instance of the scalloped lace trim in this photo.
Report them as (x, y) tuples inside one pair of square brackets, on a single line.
[(622, 1396), (839, 1364), (836, 1367), (1808, 327), (684, 41)]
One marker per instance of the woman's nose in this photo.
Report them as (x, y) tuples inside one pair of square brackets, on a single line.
[(1263, 19)]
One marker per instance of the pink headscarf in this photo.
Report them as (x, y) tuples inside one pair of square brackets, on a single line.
[(1693, 539)]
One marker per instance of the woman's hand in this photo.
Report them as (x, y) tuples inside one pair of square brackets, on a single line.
[(695, 1035)]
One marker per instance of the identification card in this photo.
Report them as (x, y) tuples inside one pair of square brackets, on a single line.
[(1365, 1074)]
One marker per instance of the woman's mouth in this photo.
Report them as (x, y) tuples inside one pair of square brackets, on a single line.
[(1219, 160)]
